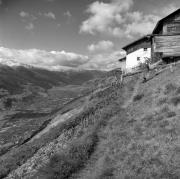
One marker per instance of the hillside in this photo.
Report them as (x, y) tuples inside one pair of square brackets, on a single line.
[(13, 79), (116, 131)]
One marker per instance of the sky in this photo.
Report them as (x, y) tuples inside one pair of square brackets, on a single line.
[(75, 34)]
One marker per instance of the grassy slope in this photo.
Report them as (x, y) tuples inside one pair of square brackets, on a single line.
[(143, 140), (102, 106), (139, 141)]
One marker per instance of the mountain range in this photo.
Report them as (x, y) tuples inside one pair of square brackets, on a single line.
[(13, 77)]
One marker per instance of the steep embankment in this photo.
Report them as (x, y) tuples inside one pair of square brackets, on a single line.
[(142, 140), (129, 131)]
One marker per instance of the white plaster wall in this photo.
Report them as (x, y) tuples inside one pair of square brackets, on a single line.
[(131, 59)]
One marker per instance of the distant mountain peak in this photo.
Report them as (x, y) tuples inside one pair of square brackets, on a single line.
[(13, 63)]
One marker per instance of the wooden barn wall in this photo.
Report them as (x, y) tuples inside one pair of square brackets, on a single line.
[(138, 45), (167, 45), (172, 25)]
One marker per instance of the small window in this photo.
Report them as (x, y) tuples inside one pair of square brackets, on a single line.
[(145, 49), (138, 58)]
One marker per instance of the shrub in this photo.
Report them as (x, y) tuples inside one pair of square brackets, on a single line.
[(175, 100), (138, 97), (170, 88)]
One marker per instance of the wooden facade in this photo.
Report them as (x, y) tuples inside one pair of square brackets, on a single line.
[(166, 38)]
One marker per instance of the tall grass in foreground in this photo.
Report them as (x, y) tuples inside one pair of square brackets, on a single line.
[(63, 164)]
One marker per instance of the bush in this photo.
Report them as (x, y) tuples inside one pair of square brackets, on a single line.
[(138, 97)]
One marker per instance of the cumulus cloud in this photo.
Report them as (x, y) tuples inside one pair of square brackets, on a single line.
[(24, 14), (140, 24), (61, 60), (50, 15), (67, 14), (52, 60), (116, 19), (169, 9), (104, 16), (104, 61), (29, 26), (101, 46), (27, 16)]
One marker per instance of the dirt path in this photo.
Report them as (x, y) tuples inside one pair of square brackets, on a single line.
[(135, 91)]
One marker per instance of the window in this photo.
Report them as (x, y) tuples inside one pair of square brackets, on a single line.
[(172, 29), (138, 58), (145, 49)]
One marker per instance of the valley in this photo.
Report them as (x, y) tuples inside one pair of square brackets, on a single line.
[(112, 130)]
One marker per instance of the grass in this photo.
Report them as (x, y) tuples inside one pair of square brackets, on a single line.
[(62, 165), (170, 114), (165, 109), (109, 146), (70, 161), (65, 163), (96, 114), (162, 101), (178, 91), (175, 100), (169, 88)]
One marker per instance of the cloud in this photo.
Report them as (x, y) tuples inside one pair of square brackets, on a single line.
[(29, 26), (24, 14), (27, 17), (104, 16), (52, 60), (61, 60), (169, 9), (101, 46), (117, 19), (140, 24), (104, 61), (50, 15), (67, 14)]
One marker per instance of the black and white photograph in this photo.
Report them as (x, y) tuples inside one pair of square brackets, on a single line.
[(89, 89)]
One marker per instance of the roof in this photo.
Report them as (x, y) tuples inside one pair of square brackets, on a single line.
[(165, 18), (137, 41), (122, 59)]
